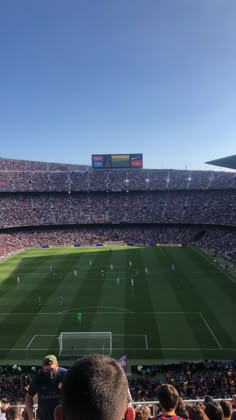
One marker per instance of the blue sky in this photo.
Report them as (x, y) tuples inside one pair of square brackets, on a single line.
[(154, 76)]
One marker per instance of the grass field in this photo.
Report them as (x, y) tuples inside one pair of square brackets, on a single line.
[(183, 314)]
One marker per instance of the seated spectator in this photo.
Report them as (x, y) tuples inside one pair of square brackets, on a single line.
[(95, 387)]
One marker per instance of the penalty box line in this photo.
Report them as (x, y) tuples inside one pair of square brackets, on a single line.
[(209, 329), (38, 335)]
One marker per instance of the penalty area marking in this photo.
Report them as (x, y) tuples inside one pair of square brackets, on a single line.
[(96, 312), (38, 335), (122, 311), (213, 335)]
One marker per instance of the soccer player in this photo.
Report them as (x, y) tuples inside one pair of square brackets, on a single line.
[(132, 282), (51, 268), (173, 267), (90, 262), (39, 301), (146, 270), (79, 317), (130, 264), (75, 273), (102, 273), (60, 300), (18, 280), (118, 280), (112, 267)]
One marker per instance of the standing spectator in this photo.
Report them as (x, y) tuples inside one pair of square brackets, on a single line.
[(143, 413), (4, 406), (196, 412), (95, 387), (47, 383), (227, 409), (214, 411), (233, 415), (168, 399), (13, 413)]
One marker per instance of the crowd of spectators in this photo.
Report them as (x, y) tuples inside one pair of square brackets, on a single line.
[(49, 194), (217, 240), (193, 381), (29, 176), (187, 207)]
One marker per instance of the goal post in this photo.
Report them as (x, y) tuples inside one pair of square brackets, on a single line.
[(76, 344)]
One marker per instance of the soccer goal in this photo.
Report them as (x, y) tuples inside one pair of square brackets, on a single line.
[(76, 344)]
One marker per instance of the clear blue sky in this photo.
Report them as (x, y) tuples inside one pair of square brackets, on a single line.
[(154, 76)]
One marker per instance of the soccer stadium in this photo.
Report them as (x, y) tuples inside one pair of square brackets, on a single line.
[(133, 263)]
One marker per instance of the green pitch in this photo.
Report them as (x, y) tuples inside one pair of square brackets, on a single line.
[(183, 313)]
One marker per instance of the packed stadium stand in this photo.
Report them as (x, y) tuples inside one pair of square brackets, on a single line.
[(55, 203)]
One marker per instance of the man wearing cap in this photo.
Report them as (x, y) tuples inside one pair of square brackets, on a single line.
[(4, 406), (47, 384)]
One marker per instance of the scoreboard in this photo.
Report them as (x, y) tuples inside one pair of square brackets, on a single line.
[(134, 161)]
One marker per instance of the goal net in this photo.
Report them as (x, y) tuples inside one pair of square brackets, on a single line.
[(76, 344)]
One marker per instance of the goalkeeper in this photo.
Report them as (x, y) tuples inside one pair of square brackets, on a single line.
[(79, 317)]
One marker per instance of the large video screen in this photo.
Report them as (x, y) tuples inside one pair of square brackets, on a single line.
[(134, 160)]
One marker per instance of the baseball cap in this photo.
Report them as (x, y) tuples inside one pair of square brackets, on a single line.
[(50, 359)]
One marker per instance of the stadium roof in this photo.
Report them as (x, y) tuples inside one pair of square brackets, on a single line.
[(226, 162)]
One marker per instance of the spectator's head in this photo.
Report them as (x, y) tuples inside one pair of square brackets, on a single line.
[(208, 399), (234, 401), (143, 413), (13, 413), (4, 404), (95, 387), (227, 408), (196, 412), (181, 409), (168, 397), (50, 366), (214, 411)]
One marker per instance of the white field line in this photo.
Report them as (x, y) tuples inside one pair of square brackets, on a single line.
[(100, 313), (38, 335), (142, 348), (213, 335), (132, 335), (31, 341), (146, 341)]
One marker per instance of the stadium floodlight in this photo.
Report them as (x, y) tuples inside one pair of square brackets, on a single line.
[(76, 344)]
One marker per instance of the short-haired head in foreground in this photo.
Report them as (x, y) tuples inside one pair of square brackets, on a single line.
[(13, 413), (168, 397), (95, 387), (214, 411), (197, 412)]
